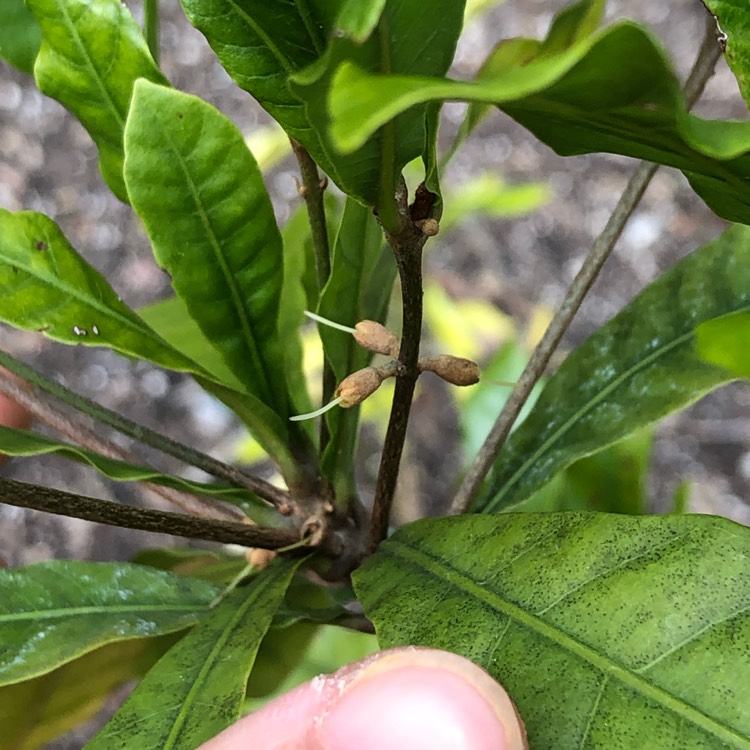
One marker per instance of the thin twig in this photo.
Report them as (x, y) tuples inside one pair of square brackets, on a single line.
[(313, 193), (81, 435), (407, 247), (700, 74), (210, 465), (68, 504)]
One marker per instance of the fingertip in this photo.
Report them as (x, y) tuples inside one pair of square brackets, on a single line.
[(417, 697)]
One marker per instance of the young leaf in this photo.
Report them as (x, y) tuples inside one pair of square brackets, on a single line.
[(26, 443), (91, 56), (51, 613), (265, 45), (359, 288), (20, 35), (613, 91), (197, 688), (733, 28), (405, 40), (48, 287), (637, 368), (37, 711), (606, 630), (196, 186)]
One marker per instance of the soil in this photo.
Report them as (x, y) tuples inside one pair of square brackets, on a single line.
[(48, 164)]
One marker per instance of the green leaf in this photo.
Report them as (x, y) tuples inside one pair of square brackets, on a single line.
[(732, 22), (359, 288), (280, 53), (91, 55), (612, 480), (608, 631), (613, 91), (20, 35), (48, 287), (37, 711), (26, 443), (53, 612), (406, 40), (197, 688), (723, 342), (637, 368), (261, 43), (171, 319), (198, 190)]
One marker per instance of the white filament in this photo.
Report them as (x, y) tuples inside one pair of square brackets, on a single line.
[(329, 323), (317, 412)]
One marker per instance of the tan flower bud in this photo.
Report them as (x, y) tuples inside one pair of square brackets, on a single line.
[(455, 370), (376, 338), (356, 387), (259, 558), (429, 227)]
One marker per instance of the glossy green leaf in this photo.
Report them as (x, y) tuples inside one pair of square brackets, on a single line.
[(635, 369), (264, 45), (574, 23), (20, 35), (26, 443), (405, 41), (91, 55), (197, 688), (171, 319), (608, 631), (733, 29), (359, 288), (37, 711), (48, 287), (198, 190), (613, 91), (261, 43), (51, 613)]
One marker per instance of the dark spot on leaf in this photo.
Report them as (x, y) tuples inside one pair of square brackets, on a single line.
[(41, 245), (44, 328), (180, 115)]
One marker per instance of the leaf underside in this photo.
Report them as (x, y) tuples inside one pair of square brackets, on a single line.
[(607, 631)]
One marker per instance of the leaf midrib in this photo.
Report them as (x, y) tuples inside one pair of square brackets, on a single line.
[(574, 418), (62, 9), (137, 608), (240, 309), (211, 659), (441, 571)]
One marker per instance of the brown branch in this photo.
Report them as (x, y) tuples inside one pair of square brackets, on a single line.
[(603, 246), (81, 435), (162, 443), (62, 503), (407, 246)]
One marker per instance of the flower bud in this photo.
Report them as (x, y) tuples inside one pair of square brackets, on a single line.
[(429, 227), (356, 387), (455, 370), (376, 338)]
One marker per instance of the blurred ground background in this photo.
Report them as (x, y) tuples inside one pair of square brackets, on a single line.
[(520, 267)]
